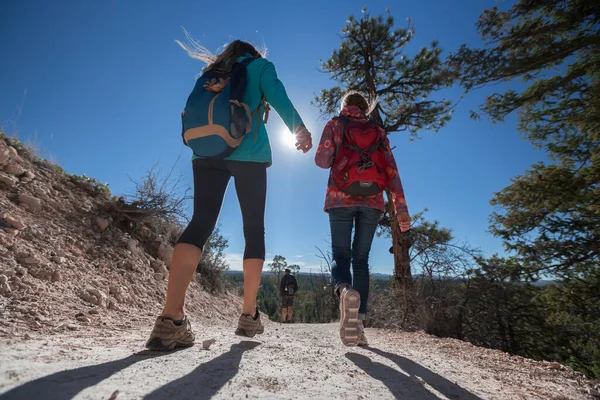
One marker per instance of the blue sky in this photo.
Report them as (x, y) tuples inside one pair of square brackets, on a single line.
[(99, 86)]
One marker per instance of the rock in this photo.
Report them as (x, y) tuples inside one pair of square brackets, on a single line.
[(159, 267), (4, 286), (4, 156), (32, 261), (13, 152), (207, 343), (41, 193), (31, 202), (93, 311), (158, 276), (102, 223), (29, 175), (165, 252), (94, 296), (56, 277), (54, 204), (72, 327), (14, 169), (554, 365), (82, 318), (132, 246), (15, 223), (59, 260), (27, 336), (594, 393), (8, 180)]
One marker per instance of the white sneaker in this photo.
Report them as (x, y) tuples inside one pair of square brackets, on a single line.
[(349, 304)]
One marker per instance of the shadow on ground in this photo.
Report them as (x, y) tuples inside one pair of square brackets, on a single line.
[(408, 385), (67, 384), (207, 379)]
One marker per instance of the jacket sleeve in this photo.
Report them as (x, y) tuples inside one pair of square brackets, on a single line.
[(276, 95), (395, 183), (325, 153)]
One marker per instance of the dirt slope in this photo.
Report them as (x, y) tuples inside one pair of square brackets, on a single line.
[(287, 362)]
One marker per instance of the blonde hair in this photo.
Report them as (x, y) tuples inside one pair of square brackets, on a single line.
[(354, 98), (225, 59)]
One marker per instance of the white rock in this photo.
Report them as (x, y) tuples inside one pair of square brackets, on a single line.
[(207, 343), (14, 169), (8, 180), (15, 223), (13, 152), (59, 260), (31, 202), (4, 156)]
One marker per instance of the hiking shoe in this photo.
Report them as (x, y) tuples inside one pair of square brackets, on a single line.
[(166, 335), (249, 326), (362, 339), (349, 322)]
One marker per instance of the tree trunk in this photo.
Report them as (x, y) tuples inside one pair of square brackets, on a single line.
[(401, 247)]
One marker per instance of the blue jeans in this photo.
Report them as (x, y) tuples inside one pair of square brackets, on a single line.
[(346, 251)]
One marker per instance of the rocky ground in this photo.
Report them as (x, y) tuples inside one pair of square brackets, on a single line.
[(291, 361)]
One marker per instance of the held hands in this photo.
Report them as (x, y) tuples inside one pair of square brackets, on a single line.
[(303, 139), (404, 221)]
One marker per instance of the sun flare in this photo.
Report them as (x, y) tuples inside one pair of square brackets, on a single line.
[(288, 140)]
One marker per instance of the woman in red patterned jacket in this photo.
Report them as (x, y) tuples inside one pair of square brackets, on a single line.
[(362, 213)]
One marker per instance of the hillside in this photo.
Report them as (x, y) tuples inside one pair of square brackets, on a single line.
[(66, 259)]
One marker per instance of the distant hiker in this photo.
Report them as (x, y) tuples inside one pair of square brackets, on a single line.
[(287, 288), (223, 124), (362, 166)]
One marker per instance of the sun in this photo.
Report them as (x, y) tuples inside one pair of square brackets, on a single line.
[(288, 140)]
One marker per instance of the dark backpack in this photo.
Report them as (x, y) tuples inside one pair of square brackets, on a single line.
[(215, 120), (360, 167), (290, 285)]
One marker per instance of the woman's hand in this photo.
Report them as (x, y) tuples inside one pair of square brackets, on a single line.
[(303, 139), (404, 221)]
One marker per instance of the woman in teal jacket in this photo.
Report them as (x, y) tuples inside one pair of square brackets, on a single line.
[(247, 165)]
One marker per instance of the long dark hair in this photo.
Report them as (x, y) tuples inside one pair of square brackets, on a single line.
[(225, 59)]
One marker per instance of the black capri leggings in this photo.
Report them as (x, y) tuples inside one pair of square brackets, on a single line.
[(210, 183)]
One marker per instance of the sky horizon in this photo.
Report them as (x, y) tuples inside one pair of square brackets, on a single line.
[(100, 87)]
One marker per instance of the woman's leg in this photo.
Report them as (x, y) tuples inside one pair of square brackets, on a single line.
[(210, 184), (251, 187), (367, 221), (341, 221)]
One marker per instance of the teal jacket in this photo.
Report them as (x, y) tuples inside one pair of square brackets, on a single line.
[(262, 81)]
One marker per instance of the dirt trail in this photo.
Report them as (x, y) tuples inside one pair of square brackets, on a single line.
[(287, 362)]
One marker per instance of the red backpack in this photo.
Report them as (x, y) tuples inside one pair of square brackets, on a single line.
[(360, 167)]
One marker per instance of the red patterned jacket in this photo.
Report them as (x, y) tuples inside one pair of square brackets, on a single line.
[(330, 141)]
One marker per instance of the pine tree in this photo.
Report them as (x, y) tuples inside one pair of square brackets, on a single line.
[(550, 216), (371, 59)]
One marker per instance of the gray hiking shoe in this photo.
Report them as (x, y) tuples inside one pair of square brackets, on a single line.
[(248, 326), (349, 322), (167, 336)]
